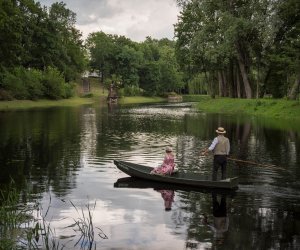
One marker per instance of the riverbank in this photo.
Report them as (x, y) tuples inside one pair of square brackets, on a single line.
[(140, 99), (273, 108), (75, 101), (27, 104), (97, 95)]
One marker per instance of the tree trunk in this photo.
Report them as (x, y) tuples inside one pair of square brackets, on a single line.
[(231, 81), (220, 80), (294, 91), (238, 84), (244, 75), (224, 81)]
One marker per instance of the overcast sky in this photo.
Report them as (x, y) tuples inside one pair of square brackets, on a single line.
[(134, 19)]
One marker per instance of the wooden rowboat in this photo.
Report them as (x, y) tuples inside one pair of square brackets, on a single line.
[(178, 178)]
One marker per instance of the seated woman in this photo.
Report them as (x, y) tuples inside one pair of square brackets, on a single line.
[(168, 164)]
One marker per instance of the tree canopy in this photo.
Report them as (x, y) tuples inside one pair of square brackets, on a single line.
[(39, 38), (149, 67), (242, 48)]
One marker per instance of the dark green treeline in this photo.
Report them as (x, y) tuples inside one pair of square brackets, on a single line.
[(241, 48)]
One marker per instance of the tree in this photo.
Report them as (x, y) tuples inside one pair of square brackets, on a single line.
[(100, 48), (11, 27)]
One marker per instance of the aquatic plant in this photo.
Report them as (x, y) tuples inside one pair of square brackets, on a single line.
[(25, 226), (84, 224)]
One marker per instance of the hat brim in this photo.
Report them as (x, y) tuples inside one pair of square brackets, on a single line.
[(221, 132)]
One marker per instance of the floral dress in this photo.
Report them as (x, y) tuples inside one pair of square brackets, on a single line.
[(167, 166)]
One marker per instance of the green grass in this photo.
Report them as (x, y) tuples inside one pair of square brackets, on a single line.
[(97, 93), (79, 99), (26, 104), (140, 99), (273, 108)]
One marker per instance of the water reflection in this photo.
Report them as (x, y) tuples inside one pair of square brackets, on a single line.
[(168, 197), (68, 153), (220, 222)]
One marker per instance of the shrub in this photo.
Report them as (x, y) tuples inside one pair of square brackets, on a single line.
[(69, 89), (131, 90), (5, 96), (32, 80), (53, 84), (13, 83), (21, 83)]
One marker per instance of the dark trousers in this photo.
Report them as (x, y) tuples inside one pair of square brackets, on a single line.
[(219, 161)]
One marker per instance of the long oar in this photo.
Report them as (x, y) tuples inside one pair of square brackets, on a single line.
[(254, 163)]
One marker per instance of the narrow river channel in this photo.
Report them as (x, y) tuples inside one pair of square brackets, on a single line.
[(63, 159)]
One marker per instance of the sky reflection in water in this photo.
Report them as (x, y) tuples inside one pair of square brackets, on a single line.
[(71, 159)]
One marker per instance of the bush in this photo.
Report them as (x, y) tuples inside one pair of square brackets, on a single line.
[(13, 83), (21, 83), (69, 89), (53, 84), (32, 80), (5, 96), (131, 90)]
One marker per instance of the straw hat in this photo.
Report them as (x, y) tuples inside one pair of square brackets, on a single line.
[(220, 130), (169, 149)]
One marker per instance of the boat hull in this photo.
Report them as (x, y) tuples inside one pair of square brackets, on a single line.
[(178, 178)]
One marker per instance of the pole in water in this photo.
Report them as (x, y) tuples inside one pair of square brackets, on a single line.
[(253, 163)]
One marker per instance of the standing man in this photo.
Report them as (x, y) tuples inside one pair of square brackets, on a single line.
[(220, 147)]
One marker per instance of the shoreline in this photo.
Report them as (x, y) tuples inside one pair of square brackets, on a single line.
[(266, 108), (71, 102)]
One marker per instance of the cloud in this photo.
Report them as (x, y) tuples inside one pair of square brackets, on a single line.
[(134, 19)]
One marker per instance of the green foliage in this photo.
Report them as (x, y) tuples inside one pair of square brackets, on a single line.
[(33, 84), (5, 95), (253, 43), (33, 81), (14, 84), (11, 25), (198, 85), (69, 89), (131, 90), (150, 76), (53, 84), (150, 65), (36, 37)]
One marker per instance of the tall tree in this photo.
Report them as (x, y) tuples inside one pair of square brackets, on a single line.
[(11, 27), (101, 46)]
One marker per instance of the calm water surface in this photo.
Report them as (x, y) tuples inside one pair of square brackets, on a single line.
[(63, 157)]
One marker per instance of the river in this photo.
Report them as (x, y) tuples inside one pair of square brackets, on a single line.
[(62, 158)]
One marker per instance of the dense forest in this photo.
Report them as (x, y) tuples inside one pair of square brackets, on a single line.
[(234, 48), (41, 51), (241, 48)]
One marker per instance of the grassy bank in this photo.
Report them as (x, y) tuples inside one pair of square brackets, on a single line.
[(79, 99), (26, 104), (97, 93), (140, 99), (275, 108), (75, 101)]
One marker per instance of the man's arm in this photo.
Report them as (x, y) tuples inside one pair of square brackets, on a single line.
[(211, 147)]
